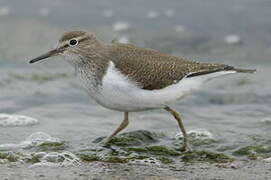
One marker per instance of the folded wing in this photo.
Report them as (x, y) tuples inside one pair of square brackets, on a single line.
[(152, 70)]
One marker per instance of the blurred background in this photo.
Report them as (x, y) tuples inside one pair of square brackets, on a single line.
[(235, 32)]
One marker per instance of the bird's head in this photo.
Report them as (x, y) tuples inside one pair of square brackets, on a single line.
[(73, 46)]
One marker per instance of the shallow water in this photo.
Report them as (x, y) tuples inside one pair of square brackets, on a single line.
[(234, 109)]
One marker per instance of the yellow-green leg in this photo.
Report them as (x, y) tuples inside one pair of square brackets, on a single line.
[(122, 126), (180, 123)]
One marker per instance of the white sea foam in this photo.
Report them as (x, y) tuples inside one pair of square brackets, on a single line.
[(267, 160), (197, 134), (58, 159), (3, 161), (52, 159), (33, 140), (37, 139), (16, 120)]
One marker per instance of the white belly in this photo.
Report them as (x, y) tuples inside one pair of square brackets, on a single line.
[(120, 93)]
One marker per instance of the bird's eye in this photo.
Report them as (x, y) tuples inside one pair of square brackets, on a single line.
[(73, 42)]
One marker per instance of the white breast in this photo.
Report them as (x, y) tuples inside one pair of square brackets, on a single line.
[(120, 93)]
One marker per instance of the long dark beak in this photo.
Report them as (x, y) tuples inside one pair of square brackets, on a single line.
[(51, 53)]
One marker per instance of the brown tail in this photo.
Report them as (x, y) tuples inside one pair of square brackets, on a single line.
[(245, 70)]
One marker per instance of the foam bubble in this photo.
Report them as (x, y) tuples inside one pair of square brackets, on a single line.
[(150, 161), (267, 160), (58, 159), (16, 120), (121, 26), (37, 139), (31, 141), (3, 161), (197, 134)]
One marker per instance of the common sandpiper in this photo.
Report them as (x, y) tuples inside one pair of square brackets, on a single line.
[(128, 78)]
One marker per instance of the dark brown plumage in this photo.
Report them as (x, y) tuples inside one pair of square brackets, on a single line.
[(154, 70)]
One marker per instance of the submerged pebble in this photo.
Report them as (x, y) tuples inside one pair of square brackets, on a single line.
[(16, 120)]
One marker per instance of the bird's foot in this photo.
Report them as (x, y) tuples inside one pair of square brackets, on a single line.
[(186, 148), (105, 142)]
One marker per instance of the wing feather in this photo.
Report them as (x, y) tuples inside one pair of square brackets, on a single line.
[(153, 70)]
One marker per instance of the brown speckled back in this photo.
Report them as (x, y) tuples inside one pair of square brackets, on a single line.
[(154, 70)]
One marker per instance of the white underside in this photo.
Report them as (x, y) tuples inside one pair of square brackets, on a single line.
[(120, 93)]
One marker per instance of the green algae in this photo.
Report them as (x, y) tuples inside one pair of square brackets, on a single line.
[(14, 157), (254, 152), (117, 159), (201, 142), (161, 153), (155, 150), (165, 160), (137, 143), (162, 150), (10, 156), (51, 146), (134, 138), (206, 156), (88, 157), (33, 159)]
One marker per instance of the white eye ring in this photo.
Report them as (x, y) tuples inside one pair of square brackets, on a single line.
[(73, 42)]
